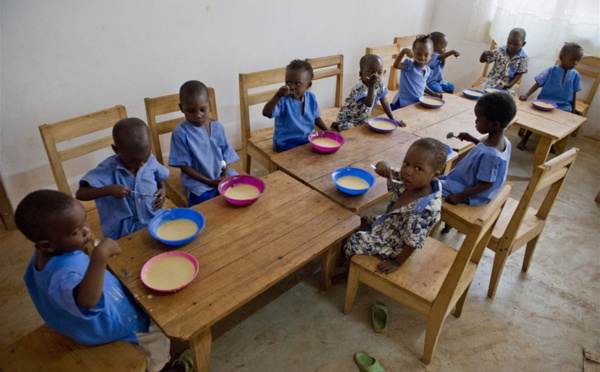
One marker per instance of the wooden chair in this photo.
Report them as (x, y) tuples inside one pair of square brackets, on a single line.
[(325, 67), (47, 350), (6, 210), (486, 66), (519, 224), (436, 278), (590, 69), (163, 105), (74, 129)]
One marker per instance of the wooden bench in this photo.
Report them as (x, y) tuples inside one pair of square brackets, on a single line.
[(47, 350)]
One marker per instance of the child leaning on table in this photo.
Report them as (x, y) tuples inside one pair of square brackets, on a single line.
[(560, 83), (412, 211), (437, 62), (128, 187), (294, 108), (73, 292), (364, 96), (415, 72), (510, 62), (199, 146)]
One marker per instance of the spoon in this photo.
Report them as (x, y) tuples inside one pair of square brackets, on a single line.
[(393, 180), (450, 135), (141, 193)]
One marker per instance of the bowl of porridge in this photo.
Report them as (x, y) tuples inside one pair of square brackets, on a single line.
[(382, 125), (353, 181), (431, 102), (326, 142), (543, 105), (176, 226), (242, 189)]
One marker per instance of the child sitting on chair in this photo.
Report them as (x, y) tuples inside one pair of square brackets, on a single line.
[(437, 62), (479, 176), (560, 83), (73, 292), (412, 212), (510, 62), (128, 187), (364, 96), (294, 108), (199, 146), (414, 74)]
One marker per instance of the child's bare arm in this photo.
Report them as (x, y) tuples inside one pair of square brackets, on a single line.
[(432, 93), (370, 98), (199, 176), (270, 106), (389, 266), (447, 54), (398, 61), (89, 291), (93, 193), (463, 197), (485, 55), (388, 111), (160, 195), (535, 87), (512, 81), (319, 123)]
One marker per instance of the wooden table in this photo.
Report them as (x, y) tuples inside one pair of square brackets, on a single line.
[(242, 251), (554, 127)]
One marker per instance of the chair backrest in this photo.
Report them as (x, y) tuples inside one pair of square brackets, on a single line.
[(593, 73), (66, 130), (388, 54), (551, 176), (167, 105), (7, 214), (405, 41), (324, 67)]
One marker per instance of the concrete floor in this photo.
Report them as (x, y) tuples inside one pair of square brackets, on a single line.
[(538, 321)]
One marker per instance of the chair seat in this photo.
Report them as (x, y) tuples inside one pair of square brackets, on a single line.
[(530, 226), (378, 110), (329, 115), (422, 274), (581, 107)]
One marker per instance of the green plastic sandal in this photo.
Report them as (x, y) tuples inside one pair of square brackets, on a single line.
[(185, 360), (367, 363), (379, 317)]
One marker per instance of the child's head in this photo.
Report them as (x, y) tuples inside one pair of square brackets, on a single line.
[(54, 221), (132, 143), (440, 41), (515, 41), (195, 103), (570, 54), (423, 162), (370, 64), (298, 77), (494, 111), (422, 50)]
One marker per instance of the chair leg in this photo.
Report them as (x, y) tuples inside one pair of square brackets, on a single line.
[(432, 334), (246, 160), (522, 132), (500, 258), (461, 301), (529, 253), (351, 288)]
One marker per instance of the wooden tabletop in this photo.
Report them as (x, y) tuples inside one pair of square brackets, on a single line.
[(559, 116), (241, 252)]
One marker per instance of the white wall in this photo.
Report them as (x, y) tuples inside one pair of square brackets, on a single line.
[(61, 59), (450, 17)]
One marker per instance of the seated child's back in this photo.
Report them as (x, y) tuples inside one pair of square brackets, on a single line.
[(128, 187)]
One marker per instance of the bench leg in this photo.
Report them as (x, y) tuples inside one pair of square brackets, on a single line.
[(200, 345)]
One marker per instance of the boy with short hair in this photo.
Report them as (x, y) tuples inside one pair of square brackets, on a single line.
[(510, 62), (128, 187), (364, 96), (412, 212), (73, 292), (294, 108)]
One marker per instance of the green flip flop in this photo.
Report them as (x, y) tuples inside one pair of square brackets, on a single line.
[(367, 363), (379, 317), (185, 360)]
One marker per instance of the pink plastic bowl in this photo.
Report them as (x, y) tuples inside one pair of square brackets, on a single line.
[(161, 256), (323, 134), (241, 179)]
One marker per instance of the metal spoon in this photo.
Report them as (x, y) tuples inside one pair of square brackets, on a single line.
[(141, 193), (450, 135)]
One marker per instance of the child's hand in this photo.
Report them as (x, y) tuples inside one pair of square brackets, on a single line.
[(454, 199), (118, 191), (409, 53), (387, 266), (488, 53), (160, 199), (107, 248), (373, 80), (464, 136), (400, 123), (456, 53), (283, 91), (438, 95), (523, 97), (382, 169)]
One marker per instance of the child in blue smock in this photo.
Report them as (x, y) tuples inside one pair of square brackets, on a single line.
[(437, 62), (364, 96), (478, 177), (510, 62), (294, 108), (74, 293), (199, 146), (128, 187), (415, 72), (560, 83)]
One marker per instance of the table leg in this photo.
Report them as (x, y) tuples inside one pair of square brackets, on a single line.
[(328, 265), (542, 151), (560, 146), (200, 345)]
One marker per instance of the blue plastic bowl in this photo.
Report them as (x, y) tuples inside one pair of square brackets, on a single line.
[(357, 172), (175, 214)]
